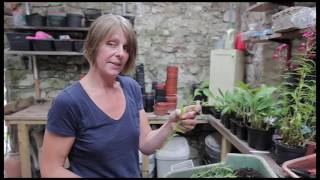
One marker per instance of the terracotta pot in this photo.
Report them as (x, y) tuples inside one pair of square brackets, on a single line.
[(172, 69), (172, 76), (171, 86), (12, 165), (161, 105), (171, 106), (311, 147), (171, 98)]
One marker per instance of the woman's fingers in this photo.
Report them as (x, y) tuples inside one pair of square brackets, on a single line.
[(188, 115), (187, 125)]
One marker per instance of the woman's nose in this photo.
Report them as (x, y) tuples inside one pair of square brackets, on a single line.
[(120, 51)]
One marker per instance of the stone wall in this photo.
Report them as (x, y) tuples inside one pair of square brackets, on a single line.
[(168, 33)]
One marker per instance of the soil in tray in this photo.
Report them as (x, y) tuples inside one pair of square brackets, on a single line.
[(248, 173)]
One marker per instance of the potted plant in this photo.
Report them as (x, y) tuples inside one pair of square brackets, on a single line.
[(221, 102), (298, 122), (262, 114), (228, 111), (241, 93)]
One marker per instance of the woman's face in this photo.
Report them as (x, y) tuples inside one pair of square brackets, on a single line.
[(112, 54)]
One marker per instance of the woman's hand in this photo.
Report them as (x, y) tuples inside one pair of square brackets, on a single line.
[(185, 119)]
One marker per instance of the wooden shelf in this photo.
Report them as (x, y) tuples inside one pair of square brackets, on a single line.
[(56, 53), (267, 6), (278, 37), (48, 28), (261, 7)]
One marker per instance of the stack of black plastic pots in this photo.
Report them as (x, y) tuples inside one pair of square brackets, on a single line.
[(91, 14), (160, 92), (140, 77), (148, 102)]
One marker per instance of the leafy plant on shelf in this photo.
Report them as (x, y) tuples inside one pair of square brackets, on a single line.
[(200, 93), (263, 108), (298, 122), (228, 105), (242, 93)]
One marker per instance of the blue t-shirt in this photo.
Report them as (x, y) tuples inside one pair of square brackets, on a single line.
[(103, 147)]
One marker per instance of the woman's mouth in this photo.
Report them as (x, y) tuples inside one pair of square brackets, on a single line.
[(115, 63)]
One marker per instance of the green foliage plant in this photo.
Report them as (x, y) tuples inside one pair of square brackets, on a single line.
[(263, 107), (298, 121), (218, 171)]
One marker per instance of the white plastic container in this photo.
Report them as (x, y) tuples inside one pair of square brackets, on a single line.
[(175, 151)]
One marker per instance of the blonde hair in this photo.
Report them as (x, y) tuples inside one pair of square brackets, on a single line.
[(102, 27)]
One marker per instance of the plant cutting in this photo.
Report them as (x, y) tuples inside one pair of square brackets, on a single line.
[(199, 92), (202, 93)]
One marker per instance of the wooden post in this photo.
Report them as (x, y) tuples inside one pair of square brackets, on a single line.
[(145, 166), (23, 138), (225, 148)]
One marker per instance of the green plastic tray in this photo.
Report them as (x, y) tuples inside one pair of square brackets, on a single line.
[(234, 161)]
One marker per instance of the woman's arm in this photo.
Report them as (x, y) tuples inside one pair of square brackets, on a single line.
[(151, 140), (54, 153)]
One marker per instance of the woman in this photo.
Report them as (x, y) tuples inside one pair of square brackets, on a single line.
[(99, 122)]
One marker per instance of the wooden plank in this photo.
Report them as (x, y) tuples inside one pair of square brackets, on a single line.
[(241, 145), (225, 148), (261, 7), (267, 6), (38, 111), (30, 122), (23, 138), (278, 37), (53, 53), (145, 166)]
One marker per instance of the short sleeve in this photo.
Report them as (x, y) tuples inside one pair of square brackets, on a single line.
[(62, 116), (135, 89)]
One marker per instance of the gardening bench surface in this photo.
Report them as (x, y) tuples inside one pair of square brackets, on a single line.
[(37, 114)]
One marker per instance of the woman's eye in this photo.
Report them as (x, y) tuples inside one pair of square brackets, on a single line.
[(112, 44)]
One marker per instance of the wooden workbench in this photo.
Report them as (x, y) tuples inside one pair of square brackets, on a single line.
[(37, 114)]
